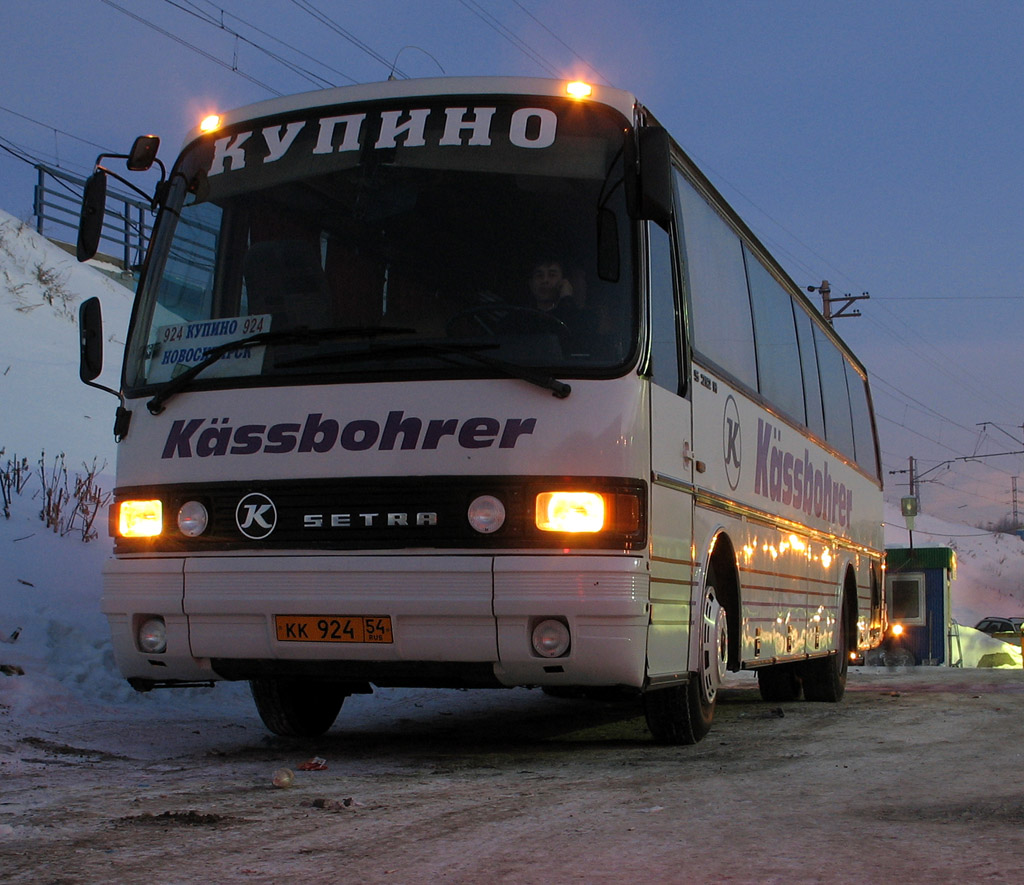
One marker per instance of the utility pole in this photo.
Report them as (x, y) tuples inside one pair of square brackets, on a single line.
[(844, 301), (1016, 521)]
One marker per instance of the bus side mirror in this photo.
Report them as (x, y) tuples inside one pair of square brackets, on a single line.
[(655, 176), (90, 330), (90, 222), (143, 153)]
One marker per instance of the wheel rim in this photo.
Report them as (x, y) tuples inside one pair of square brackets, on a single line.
[(714, 645)]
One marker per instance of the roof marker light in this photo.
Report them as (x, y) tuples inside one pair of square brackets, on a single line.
[(579, 89), (210, 123)]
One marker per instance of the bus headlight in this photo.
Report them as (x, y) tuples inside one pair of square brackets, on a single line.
[(550, 638), (152, 636), (486, 514), (570, 512), (193, 519), (140, 519)]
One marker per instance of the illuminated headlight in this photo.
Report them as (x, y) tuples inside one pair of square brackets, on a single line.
[(140, 519), (152, 636), (551, 638), (570, 512), (486, 514), (192, 519)]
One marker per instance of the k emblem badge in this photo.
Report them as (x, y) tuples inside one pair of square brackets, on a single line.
[(256, 516)]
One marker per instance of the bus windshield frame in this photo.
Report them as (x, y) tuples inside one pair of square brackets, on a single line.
[(394, 240)]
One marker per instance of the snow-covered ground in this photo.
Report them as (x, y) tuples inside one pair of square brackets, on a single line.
[(50, 625)]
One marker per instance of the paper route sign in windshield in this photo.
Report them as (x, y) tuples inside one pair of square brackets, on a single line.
[(182, 345)]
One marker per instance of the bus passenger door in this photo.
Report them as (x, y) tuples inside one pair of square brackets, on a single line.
[(672, 465)]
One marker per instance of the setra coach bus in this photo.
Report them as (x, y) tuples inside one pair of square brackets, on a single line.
[(476, 383)]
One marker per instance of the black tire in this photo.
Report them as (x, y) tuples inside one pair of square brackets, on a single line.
[(682, 714), (824, 679), (779, 684), (295, 708)]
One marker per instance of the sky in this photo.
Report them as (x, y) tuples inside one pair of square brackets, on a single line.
[(872, 144)]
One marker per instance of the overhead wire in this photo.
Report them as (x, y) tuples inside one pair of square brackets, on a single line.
[(191, 46), (328, 22), (510, 36), (210, 19)]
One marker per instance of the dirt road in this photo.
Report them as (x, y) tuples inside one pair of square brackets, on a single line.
[(914, 777)]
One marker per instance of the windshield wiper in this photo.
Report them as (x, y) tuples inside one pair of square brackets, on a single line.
[(290, 336), (449, 353)]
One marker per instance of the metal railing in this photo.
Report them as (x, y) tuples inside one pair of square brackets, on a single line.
[(126, 226)]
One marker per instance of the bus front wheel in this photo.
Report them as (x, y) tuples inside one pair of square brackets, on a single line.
[(297, 708), (682, 714)]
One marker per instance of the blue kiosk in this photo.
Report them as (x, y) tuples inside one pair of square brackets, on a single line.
[(917, 590)]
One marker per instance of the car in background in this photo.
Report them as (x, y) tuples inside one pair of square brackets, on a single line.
[(1007, 629)]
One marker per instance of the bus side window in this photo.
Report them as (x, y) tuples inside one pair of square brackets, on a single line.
[(664, 368), (720, 318)]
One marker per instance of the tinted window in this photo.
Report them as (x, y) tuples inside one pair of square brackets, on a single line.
[(863, 432), (834, 393), (664, 318), (809, 369), (722, 327), (778, 357)]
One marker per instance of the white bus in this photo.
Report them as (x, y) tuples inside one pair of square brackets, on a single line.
[(477, 383)]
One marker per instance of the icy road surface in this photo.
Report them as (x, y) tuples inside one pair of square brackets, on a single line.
[(915, 776)]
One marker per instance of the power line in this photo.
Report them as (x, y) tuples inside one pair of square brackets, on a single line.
[(183, 42), (561, 41), (213, 21), (510, 36), (327, 21)]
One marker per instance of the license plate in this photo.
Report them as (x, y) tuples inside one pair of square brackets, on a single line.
[(333, 628)]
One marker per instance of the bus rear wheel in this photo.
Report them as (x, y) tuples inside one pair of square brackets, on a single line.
[(297, 708), (682, 714), (824, 679)]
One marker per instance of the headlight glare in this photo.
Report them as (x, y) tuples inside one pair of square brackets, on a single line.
[(570, 512), (140, 519)]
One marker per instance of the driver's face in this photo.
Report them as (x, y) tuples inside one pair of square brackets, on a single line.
[(546, 283)]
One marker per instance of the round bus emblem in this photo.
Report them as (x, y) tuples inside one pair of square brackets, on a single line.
[(256, 516), (732, 442)]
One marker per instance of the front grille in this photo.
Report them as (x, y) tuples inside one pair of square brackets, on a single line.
[(379, 514)]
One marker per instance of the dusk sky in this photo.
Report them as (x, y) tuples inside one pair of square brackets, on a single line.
[(873, 144)]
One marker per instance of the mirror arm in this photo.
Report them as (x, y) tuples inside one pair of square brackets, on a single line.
[(127, 183)]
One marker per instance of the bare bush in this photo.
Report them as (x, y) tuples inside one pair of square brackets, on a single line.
[(90, 500), (70, 504), (55, 291), (14, 474), (54, 481)]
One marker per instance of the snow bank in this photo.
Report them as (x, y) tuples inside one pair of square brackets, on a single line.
[(43, 404)]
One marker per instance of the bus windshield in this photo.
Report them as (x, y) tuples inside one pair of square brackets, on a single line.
[(391, 241)]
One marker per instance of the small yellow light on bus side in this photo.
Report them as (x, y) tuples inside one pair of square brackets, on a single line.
[(140, 519), (570, 512), (210, 123), (579, 89)]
